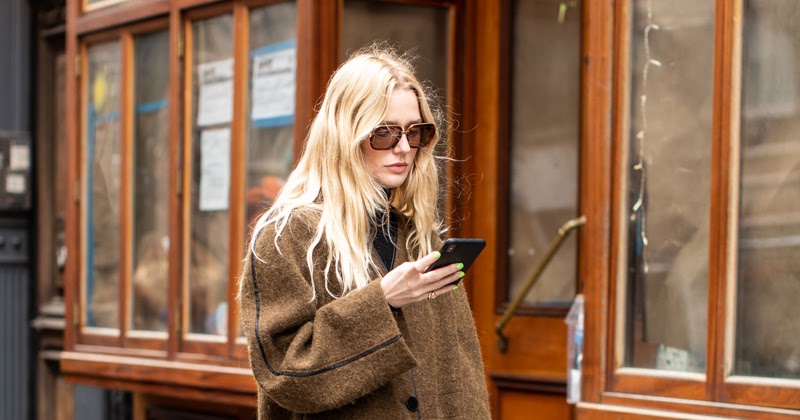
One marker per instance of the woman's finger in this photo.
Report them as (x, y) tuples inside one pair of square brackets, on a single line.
[(442, 291), (423, 263)]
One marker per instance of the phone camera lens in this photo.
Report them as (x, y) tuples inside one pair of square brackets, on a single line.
[(451, 248)]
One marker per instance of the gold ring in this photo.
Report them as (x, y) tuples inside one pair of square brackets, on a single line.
[(431, 295)]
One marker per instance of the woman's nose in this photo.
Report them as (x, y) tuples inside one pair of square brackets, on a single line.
[(403, 146)]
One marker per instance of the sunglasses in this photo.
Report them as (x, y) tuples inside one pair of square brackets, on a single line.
[(385, 137)]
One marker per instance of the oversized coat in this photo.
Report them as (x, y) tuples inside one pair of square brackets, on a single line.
[(353, 357)]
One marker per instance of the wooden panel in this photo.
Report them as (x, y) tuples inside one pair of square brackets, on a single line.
[(725, 133), (158, 407), (483, 115), (517, 405), (536, 346), (175, 268), (128, 12), (595, 186), (197, 375), (680, 409), (126, 181), (762, 392), (623, 413), (238, 177)]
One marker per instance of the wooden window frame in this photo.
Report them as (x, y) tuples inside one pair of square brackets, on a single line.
[(118, 337), (186, 367), (191, 344), (606, 382)]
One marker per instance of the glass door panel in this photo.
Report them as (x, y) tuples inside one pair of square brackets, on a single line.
[(102, 178), (665, 213)]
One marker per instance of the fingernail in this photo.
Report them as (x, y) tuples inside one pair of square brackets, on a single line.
[(455, 288), (460, 274), (437, 255), (460, 266)]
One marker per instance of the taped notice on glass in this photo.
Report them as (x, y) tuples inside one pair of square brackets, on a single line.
[(215, 103), (215, 169), (273, 84)]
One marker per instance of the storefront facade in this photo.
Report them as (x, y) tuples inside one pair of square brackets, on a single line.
[(662, 130)]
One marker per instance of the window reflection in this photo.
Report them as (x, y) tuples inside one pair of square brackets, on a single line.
[(767, 314), (544, 146), (150, 188), (273, 61), (212, 108), (102, 173), (665, 212)]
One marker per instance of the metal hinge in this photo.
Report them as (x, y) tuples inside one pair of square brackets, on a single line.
[(180, 44), (178, 323), (179, 183), (76, 315), (78, 65)]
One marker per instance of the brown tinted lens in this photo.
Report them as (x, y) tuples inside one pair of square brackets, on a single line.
[(427, 131), (385, 137)]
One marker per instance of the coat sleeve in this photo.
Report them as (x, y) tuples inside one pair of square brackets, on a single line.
[(309, 359)]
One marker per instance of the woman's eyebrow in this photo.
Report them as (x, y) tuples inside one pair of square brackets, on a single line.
[(417, 121)]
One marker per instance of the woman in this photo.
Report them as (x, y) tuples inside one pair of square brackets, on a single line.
[(341, 318)]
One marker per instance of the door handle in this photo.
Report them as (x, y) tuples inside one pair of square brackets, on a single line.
[(563, 233)]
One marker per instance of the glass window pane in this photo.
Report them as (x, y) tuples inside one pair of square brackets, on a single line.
[(102, 173), (768, 316), (104, 2), (423, 31), (150, 188), (212, 108), (664, 218), (273, 62), (545, 146)]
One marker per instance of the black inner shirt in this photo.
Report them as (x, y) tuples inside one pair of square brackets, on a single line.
[(384, 240)]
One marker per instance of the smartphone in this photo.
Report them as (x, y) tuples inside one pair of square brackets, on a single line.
[(459, 250)]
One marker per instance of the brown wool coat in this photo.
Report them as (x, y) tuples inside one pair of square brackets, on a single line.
[(353, 357)]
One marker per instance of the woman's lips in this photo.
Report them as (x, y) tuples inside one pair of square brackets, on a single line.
[(397, 168)]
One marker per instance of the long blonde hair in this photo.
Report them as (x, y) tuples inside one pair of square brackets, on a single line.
[(332, 180)]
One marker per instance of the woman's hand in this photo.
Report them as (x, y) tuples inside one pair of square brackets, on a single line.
[(408, 283)]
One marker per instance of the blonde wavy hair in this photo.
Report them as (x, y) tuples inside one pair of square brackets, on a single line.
[(332, 181)]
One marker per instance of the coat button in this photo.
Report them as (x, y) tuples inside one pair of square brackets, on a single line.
[(412, 403)]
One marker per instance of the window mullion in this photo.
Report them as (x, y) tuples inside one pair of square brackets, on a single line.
[(126, 181)]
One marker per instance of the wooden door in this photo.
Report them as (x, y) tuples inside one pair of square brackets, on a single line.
[(525, 78)]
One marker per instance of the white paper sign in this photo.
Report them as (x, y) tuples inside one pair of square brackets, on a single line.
[(215, 169), (15, 184), (20, 157), (215, 104), (273, 84)]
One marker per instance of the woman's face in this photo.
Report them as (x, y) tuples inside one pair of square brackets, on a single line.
[(390, 168)]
